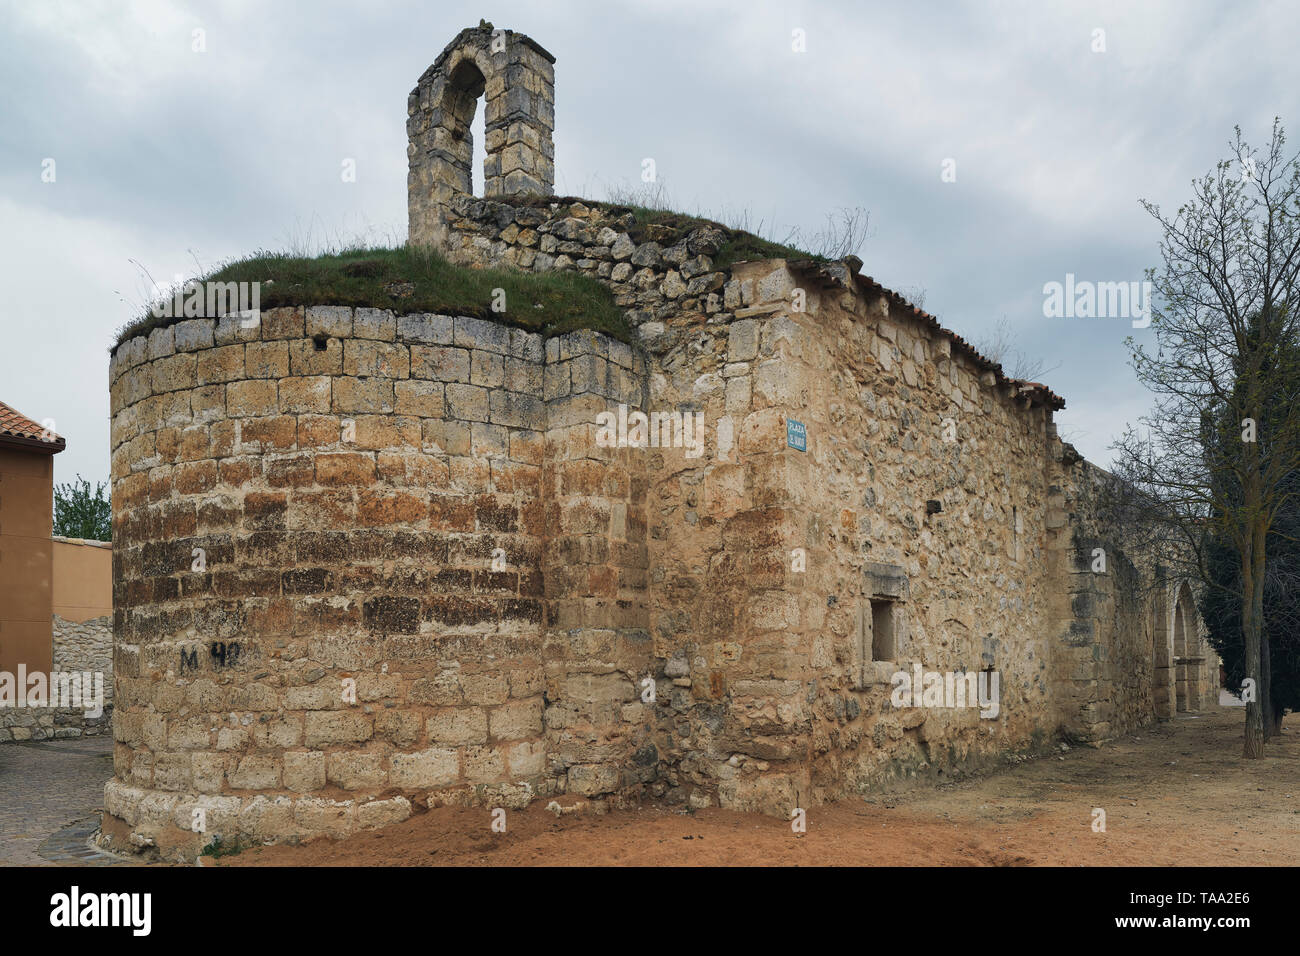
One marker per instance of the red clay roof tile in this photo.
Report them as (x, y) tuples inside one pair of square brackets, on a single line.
[(14, 424)]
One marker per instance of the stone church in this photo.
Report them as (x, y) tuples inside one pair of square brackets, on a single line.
[(790, 541)]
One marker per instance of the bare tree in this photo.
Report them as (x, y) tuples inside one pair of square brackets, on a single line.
[(997, 345), (914, 294), (843, 235), (1214, 455)]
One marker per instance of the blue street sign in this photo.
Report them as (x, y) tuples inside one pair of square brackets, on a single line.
[(796, 435)]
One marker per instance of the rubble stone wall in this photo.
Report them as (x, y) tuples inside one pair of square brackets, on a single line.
[(765, 561), (920, 466), (1116, 618), (80, 648)]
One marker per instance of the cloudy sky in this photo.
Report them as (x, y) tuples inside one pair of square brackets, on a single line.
[(168, 158)]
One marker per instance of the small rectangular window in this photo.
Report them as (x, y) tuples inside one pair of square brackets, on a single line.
[(881, 624), (882, 631)]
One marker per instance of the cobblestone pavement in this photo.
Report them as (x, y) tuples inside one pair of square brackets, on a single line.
[(50, 791)]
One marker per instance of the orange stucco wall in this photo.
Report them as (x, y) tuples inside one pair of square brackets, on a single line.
[(26, 559), (83, 581)]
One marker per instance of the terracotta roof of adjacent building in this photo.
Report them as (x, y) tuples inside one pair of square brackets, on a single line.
[(16, 429)]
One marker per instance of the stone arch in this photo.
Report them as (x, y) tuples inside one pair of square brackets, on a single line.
[(1189, 658), (516, 78), (1162, 657), (465, 84)]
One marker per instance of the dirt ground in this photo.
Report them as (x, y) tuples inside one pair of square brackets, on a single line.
[(1176, 794)]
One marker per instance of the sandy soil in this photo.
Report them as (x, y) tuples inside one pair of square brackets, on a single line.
[(1176, 794)]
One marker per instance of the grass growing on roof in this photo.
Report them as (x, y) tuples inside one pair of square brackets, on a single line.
[(740, 246), (407, 279), (672, 227), (745, 247)]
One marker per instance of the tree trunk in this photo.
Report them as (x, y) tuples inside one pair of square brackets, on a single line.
[(1266, 681), (1252, 604)]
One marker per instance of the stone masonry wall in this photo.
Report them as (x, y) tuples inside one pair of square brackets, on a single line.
[(730, 633), (598, 734), (340, 496), (80, 647), (422, 504), (763, 560), (667, 282), (516, 77), (929, 481), (920, 465), (1115, 617)]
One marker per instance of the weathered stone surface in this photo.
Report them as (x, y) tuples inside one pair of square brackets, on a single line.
[(193, 334), (440, 364), (330, 321), (425, 328), (378, 324), (434, 767), (622, 248)]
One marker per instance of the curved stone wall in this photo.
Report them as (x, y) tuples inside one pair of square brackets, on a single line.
[(328, 574)]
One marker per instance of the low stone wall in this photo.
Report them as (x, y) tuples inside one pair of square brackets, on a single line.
[(667, 276), (85, 646), (80, 647)]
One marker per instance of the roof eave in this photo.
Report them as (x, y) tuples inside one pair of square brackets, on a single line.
[(20, 443)]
